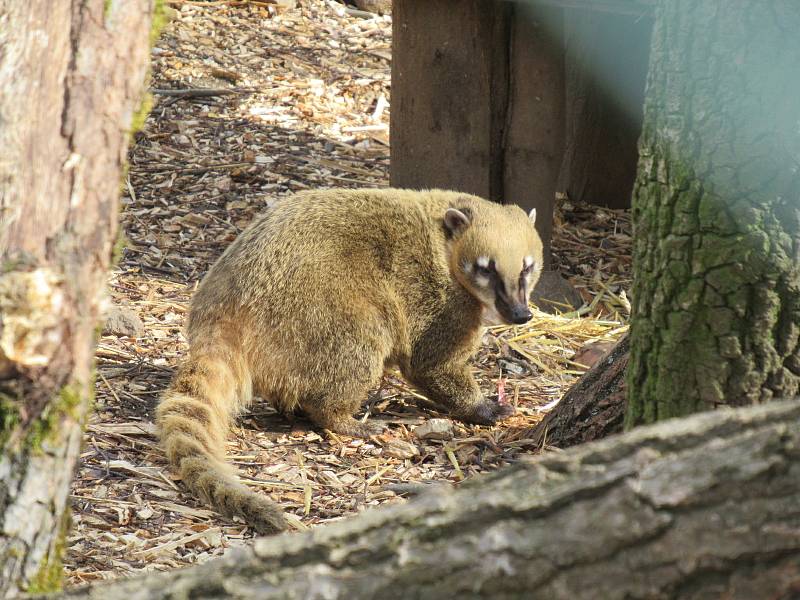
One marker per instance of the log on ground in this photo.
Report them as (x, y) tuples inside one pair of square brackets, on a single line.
[(695, 508)]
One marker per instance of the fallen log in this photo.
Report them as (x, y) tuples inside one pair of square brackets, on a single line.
[(703, 507)]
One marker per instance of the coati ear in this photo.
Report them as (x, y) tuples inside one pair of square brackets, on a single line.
[(457, 220), (532, 216)]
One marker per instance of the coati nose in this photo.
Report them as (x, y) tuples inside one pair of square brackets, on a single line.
[(520, 314)]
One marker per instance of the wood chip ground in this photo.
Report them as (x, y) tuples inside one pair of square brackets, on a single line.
[(300, 99)]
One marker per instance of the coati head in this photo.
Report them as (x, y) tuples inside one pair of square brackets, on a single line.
[(497, 257)]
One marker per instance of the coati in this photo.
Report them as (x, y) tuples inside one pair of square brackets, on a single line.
[(318, 295)]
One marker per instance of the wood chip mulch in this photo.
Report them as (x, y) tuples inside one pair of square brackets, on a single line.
[(255, 101)]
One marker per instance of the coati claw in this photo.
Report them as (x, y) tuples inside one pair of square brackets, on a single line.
[(504, 410)]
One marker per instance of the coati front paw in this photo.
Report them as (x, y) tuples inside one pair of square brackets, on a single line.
[(488, 412)]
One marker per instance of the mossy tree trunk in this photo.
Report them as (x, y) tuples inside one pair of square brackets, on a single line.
[(704, 507), (71, 75), (716, 208)]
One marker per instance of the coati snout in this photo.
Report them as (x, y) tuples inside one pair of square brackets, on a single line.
[(318, 295)]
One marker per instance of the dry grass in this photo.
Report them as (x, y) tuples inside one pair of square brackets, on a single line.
[(308, 108)]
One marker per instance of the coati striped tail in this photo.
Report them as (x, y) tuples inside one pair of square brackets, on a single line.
[(193, 418)]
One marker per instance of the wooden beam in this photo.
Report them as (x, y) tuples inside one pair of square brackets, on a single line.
[(533, 141), (442, 80), (624, 7), (606, 68)]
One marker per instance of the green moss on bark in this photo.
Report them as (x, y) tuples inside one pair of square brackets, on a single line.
[(161, 17), (160, 20), (116, 250), (9, 418), (716, 271), (140, 116), (67, 404), (50, 577)]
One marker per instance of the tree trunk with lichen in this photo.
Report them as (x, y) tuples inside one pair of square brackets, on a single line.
[(71, 76), (704, 507), (716, 211)]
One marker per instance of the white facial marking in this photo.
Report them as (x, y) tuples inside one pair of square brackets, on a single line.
[(467, 268), (483, 261), (527, 261), (482, 281)]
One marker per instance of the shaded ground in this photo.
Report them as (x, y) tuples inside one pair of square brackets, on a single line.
[(306, 105)]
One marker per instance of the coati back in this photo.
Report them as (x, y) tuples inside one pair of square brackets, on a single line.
[(321, 293)]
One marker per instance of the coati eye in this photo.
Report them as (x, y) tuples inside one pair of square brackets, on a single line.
[(527, 265), (484, 267)]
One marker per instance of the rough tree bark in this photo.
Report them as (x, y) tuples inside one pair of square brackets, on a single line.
[(704, 507), (716, 291), (70, 79), (591, 409)]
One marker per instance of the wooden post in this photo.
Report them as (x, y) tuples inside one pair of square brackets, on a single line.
[(442, 91), (534, 128), (477, 101)]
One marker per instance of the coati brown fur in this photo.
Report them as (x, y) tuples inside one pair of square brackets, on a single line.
[(321, 293)]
